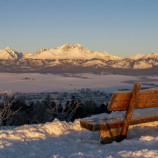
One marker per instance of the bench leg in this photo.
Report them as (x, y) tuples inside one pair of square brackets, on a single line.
[(108, 136)]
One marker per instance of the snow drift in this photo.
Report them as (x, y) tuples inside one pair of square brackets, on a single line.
[(62, 140)]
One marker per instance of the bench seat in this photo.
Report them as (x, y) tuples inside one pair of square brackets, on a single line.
[(116, 121)]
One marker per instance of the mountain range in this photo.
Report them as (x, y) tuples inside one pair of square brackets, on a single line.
[(76, 59)]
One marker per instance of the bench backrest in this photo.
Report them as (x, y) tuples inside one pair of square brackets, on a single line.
[(146, 99)]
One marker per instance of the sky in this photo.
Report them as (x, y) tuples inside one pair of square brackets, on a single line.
[(120, 27)]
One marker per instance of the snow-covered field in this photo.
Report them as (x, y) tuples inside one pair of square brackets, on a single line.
[(35, 82), (68, 140)]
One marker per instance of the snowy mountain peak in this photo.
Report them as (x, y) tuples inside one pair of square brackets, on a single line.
[(8, 54), (152, 55), (67, 47), (77, 45), (8, 49), (136, 57), (40, 51)]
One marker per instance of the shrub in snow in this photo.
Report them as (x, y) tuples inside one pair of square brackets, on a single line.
[(67, 112), (5, 109)]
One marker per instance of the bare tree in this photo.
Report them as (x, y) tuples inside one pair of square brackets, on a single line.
[(6, 111), (64, 113)]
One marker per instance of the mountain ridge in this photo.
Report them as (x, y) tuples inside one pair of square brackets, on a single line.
[(65, 50), (73, 58)]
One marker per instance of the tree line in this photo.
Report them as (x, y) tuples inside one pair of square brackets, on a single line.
[(15, 111)]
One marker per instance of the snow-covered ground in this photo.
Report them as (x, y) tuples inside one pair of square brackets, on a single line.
[(35, 82), (68, 140)]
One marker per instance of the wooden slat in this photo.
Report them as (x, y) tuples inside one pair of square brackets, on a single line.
[(116, 121), (147, 99), (130, 109)]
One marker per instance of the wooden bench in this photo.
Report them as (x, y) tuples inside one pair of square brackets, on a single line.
[(109, 126)]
